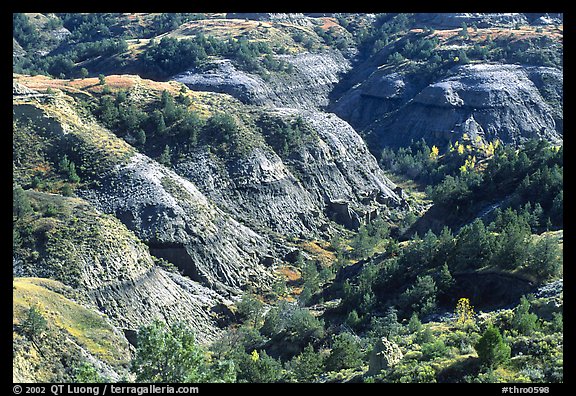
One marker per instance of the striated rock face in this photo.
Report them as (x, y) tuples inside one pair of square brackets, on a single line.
[(292, 18), (308, 85), (104, 256), (166, 210), (508, 102), (103, 260), (158, 294), (221, 221), (259, 189), (223, 77), (342, 166), (296, 195), (481, 20)]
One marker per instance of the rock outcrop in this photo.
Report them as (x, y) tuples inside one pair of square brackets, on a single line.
[(164, 210), (293, 18), (104, 261), (508, 102), (481, 20), (158, 207), (308, 85), (298, 194), (385, 354)]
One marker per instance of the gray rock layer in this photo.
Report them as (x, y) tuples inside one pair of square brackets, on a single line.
[(164, 209), (307, 86), (481, 20), (296, 195), (160, 295), (509, 102)]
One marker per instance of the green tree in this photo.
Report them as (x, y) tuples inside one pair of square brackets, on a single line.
[(311, 279), (169, 108), (221, 128), (250, 309), (68, 168), (190, 127), (107, 111), (545, 259), (474, 246), (307, 365), (87, 373), (524, 321), (292, 324), (346, 352), (420, 297), (362, 244), (140, 137), (169, 354), (34, 325), (353, 319), (513, 244), (390, 323), (414, 324), (434, 349), (257, 367), (166, 156), (20, 203), (492, 349), (444, 280), (157, 122)]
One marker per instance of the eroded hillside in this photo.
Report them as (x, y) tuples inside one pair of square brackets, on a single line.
[(226, 173)]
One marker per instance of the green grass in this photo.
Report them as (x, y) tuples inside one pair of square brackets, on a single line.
[(65, 244), (86, 327)]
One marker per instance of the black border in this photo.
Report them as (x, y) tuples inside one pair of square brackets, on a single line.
[(355, 6)]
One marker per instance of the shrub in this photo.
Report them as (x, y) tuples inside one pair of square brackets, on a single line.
[(545, 260), (414, 324), (491, 348), (346, 353), (35, 325), (87, 373), (524, 321), (433, 350), (307, 365), (170, 354), (409, 372), (289, 323), (250, 309), (20, 203), (421, 297), (257, 367)]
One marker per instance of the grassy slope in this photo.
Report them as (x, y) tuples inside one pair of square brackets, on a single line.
[(76, 333)]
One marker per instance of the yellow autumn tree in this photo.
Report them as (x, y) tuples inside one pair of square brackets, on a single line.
[(464, 312), (460, 148), (489, 150), (434, 152)]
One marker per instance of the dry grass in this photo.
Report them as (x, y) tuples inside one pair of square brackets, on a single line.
[(318, 249), (289, 273), (328, 22), (86, 326), (219, 28), (524, 32)]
